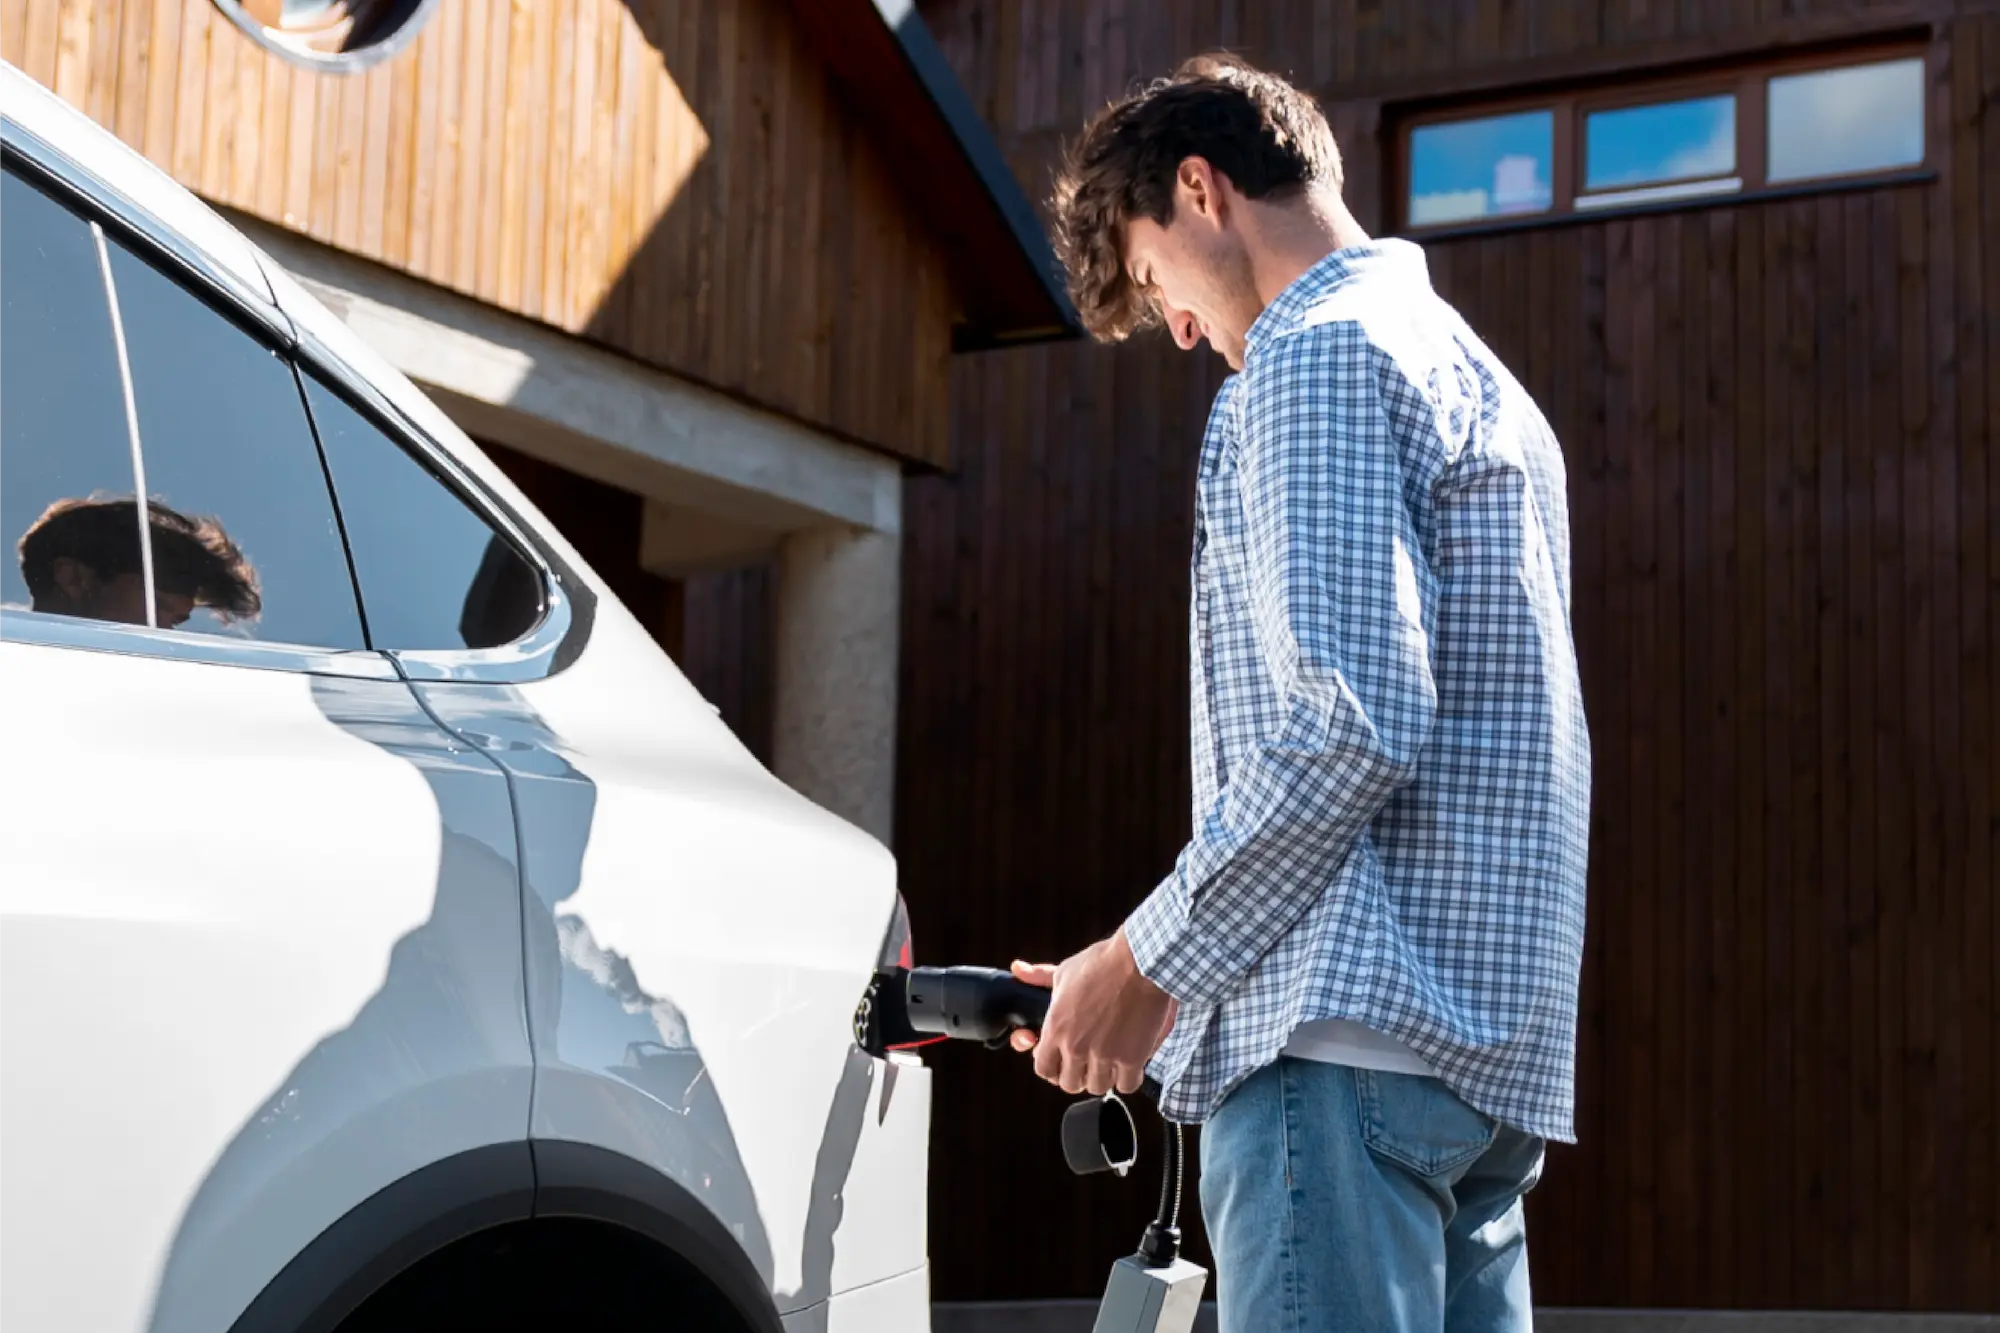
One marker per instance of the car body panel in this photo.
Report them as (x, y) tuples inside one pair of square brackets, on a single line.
[(900, 1303), (693, 1010), (884, 1203), (261, 958)]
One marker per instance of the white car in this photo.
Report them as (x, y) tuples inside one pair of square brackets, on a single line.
[(390, 936)]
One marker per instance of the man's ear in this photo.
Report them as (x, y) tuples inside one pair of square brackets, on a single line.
[(1199, 189), (1191, 183), (77, 580)]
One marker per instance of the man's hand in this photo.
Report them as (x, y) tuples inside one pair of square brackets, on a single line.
[(1105, 1020)]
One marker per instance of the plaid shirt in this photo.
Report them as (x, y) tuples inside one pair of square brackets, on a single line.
[(1391, 764)]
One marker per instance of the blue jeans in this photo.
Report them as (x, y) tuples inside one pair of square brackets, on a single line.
[(1345, 1199)]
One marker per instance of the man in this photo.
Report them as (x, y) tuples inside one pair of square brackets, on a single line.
[(82, 558), (1364, 964)]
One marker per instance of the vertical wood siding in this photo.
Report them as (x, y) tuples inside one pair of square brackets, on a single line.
[(677, 181)]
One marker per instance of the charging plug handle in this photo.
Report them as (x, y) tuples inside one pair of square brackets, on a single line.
[(972, 1003)]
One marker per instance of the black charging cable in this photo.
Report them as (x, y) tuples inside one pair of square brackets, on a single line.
[(1161, 1244)]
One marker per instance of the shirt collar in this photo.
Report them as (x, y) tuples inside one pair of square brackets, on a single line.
[(1288, 310)]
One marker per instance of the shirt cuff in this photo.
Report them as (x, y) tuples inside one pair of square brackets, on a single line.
[(1165, 949)]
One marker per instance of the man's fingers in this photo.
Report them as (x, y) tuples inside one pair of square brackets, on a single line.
[(1048, 1062), (1095, 1077), (1035, 974), (1100, 1017)]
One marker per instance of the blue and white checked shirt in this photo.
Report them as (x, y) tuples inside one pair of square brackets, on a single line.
[(1391, 764)]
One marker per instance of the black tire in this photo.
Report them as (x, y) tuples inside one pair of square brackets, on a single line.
[(548, 1275)]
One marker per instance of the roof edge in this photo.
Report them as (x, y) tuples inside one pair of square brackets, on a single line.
[(982, 153), (949, 168)]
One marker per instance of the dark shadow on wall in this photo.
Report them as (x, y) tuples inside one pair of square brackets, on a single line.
[(746, 279), (728, 650), (451, 1005)]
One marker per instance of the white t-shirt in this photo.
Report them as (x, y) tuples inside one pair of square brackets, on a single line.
[(1337, 1041)]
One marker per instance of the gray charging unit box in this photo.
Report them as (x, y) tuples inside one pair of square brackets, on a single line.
[(1143, 1299)]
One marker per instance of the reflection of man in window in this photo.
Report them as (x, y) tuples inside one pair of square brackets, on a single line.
[(81, 558)]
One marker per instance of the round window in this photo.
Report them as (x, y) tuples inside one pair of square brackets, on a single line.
[(330, 34)]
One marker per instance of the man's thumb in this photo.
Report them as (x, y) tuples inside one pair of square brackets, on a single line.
[(1035, 974)]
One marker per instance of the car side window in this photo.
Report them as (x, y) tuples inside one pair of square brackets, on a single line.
[(434, 574), (240, 538), (229, 453), (65, 454)]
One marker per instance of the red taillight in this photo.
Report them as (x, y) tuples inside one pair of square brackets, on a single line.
[(896, 944)]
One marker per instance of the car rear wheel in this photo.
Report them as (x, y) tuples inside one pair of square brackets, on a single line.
[(547, 1275)]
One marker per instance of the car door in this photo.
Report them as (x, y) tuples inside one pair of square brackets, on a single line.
[(260, 943)]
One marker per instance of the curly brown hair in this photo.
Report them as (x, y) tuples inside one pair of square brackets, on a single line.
[(192, 556), (1269, 139)]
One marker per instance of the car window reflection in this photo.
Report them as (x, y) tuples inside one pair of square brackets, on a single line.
[(83, 558), (224, 433), (63, 433), (120, 382), (176, 400)]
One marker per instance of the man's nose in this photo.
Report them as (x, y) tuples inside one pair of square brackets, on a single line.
[(1187, 333)]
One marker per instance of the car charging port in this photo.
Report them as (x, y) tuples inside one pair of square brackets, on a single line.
[(882, 1019)]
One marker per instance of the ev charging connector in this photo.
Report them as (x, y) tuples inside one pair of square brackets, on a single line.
[(1154, 1289)]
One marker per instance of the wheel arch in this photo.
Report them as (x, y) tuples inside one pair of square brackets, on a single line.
[(455, 1198)]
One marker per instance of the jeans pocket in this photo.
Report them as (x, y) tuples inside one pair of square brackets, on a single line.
[(1420, 1124)]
